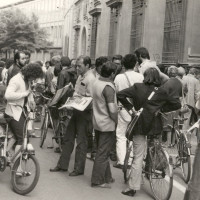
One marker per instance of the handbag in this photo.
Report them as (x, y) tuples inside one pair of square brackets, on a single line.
[(184, 108)]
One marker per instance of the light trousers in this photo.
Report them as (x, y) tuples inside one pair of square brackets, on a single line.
[(139, 149), (123, 121)]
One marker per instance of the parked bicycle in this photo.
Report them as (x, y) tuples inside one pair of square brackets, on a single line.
[(157, 166), (24, 165), (183, 159)]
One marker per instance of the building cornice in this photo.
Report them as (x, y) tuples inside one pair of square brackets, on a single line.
[(95, 11), (113, 3), (77, 27), (15, 4)]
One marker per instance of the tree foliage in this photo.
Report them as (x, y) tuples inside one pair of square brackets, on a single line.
[(21, 32)]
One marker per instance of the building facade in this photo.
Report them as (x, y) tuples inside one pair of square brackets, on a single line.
[(168, 28)]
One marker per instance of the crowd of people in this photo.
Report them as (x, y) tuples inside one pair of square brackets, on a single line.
[(119, 86)]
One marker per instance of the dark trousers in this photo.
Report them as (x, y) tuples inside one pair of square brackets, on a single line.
[(101, 170), (77, 128), (193, 190), (17, 128)]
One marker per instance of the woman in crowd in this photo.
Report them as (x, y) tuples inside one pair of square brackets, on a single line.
[(148, 123), (18, 92)]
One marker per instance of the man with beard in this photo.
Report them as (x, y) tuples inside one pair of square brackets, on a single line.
[(19, 62), (28, 56)]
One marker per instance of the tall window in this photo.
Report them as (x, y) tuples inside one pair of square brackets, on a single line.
[(76, 42), (114, 15), (95, 20), (137, 24), (173, 31)]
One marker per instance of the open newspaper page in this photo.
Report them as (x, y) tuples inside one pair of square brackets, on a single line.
[(60, 93), (78, 102)]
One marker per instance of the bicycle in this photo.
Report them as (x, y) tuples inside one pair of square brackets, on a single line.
[(183, 146), (24, 159), (157, 165), (58, 131)]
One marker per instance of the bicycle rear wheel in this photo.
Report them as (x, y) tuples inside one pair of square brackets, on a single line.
[(128, 159), (160, 174), (44, 129), (25, 179), (184, 157), (60, 135)]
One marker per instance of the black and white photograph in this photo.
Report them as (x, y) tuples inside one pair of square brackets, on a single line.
[(99, 99)]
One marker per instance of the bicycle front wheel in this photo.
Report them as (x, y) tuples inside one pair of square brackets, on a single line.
[(44, 129), (184, 157), (128, 159), (161, 174), (60, 135), (25, 174)]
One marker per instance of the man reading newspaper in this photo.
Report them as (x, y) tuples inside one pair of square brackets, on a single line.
[(79, 124)]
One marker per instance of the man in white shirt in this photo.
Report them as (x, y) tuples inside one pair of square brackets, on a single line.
[(145, 63), (123, 81)]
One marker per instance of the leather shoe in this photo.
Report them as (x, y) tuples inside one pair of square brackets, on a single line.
[(104, 185), (129, 192), (75, 173), (57, 169), (119, 166), (112, 180)]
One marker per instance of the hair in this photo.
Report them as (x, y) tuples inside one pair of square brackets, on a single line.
[(32, 70), (3, 59), (17, 56), (152, 77), (9, 62), (100, 61), (65, 61), (193, 71), (47, 62), (57, 70), (2, 64), (27, 53), (55, 59), (107, 69), (86, 60), (39, 62), (181, 71), (117, 57), (143, 52), (172, 69), (129, 61)]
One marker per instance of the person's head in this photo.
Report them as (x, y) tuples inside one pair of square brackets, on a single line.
[(2, 64), (152, 77), (117, 59), (65, 61), (129, 61), (83, 64), (20, 58), (39, 62), (32, 72), (9, 62), (99, 62), (142, 53), (55, 60), (47, 64), (172, 71), (57, 70), (73, 62), (181, 72), (192, 71), (3, 59), (28, 56), (108, 70)]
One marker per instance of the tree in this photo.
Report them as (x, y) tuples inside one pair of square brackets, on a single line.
[(21, 32)]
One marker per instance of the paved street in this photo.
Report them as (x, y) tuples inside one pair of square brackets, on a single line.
[(53, 186)]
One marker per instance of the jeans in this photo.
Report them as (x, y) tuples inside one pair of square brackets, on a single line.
[(139, 148), (101, 170), (193, 190), (77, 128), (121, 139)]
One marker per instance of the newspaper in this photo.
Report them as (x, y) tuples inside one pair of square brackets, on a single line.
[(60, 93), (77, 102)]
